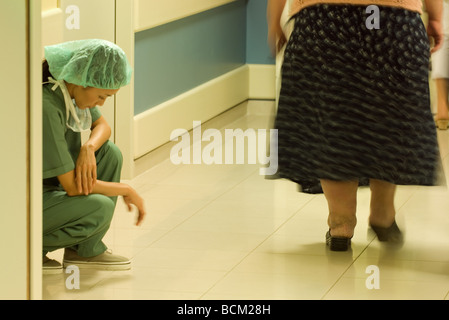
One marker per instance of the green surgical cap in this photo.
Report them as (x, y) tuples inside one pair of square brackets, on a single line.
[(89, 63)]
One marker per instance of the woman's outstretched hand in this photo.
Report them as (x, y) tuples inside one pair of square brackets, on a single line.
[(133, 198)]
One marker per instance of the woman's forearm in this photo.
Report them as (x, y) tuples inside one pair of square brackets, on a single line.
[(274, 10), (100, 133), (110, 189), (434, 9), (276, 37)]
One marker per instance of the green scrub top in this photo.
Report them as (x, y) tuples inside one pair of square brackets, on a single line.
[(61, 145)]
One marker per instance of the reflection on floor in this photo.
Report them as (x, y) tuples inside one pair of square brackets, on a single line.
[(224, 232)]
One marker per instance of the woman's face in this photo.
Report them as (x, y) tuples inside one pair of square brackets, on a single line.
[(87, 98)]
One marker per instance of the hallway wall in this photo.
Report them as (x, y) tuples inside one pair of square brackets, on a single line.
[(173, 58), (198, 66), (13, 139)]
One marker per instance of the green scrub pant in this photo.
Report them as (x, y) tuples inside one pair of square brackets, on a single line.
[(81, 222)]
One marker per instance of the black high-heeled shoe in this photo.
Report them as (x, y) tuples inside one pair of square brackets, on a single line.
[(337, 243), (392, 234)]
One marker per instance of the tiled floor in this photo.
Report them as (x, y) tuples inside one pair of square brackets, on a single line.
[(224, 232)]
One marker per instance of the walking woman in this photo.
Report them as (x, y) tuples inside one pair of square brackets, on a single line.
[(354, 104), (81, 182)]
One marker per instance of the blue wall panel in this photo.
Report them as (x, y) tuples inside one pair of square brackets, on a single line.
[(257, 50), (179, 56)]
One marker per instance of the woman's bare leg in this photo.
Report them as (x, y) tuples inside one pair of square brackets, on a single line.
[(341, 197), (382, 210)]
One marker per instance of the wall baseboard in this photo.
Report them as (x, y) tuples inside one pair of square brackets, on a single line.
[(262, 81), (153, 127)]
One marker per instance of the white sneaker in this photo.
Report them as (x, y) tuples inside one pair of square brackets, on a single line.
[(104, 261)]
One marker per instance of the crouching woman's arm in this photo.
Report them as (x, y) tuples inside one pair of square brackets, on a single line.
[(110, 189)]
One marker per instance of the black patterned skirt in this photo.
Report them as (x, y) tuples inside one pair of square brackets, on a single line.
[(354, 101)]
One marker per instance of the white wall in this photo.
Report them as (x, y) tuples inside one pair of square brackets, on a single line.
[(35, 145), (13, 139), (124, 102), (49, 4)]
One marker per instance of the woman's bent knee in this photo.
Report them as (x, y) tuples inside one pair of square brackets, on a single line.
[(100, 207), (113, 153)]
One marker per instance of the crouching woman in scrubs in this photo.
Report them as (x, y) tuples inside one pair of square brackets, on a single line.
[(81, 182)]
